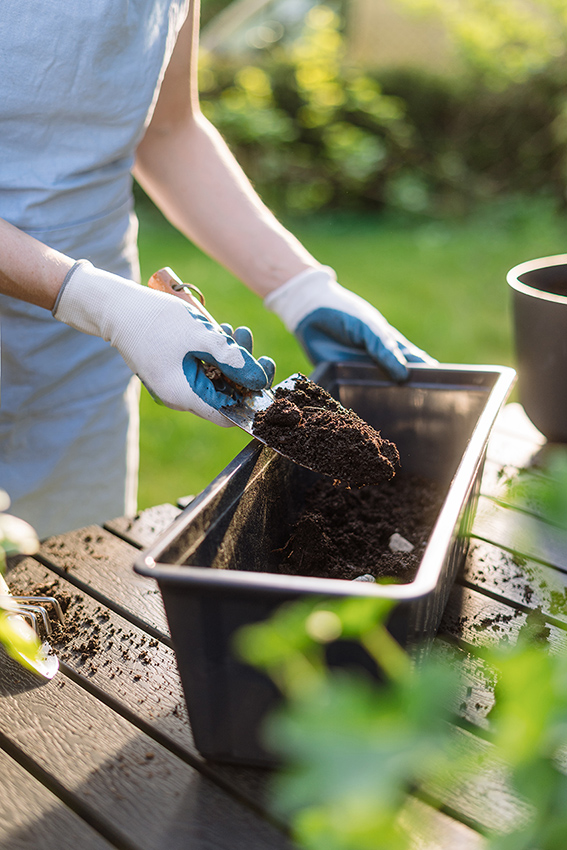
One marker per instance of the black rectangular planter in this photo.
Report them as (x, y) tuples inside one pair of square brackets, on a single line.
[(216, 565)]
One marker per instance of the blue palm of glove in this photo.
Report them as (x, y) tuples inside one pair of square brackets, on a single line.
[(243, 336), (332, 335), (254, 374)]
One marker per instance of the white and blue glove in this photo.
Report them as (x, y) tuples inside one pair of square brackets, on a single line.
[(162, 340), (333, 324)]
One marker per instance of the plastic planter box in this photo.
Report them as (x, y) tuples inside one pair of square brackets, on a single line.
[(214, 563)]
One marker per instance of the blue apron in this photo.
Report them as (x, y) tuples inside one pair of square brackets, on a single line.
[(78, 83)]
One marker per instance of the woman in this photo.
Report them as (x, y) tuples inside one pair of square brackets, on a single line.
[(91, 94)]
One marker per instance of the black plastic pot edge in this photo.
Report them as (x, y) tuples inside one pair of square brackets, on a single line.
[(147, 565), (539, 311), (514, 277), (227, 700)]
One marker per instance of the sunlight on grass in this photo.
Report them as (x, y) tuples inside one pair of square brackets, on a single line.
[(442, 283)]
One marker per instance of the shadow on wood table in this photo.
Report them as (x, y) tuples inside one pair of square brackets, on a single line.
[(102, 756)]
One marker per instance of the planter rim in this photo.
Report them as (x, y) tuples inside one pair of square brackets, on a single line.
[(243, 581), (513, 277)]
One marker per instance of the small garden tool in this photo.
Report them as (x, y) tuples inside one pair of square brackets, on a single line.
[(29, 627), (249, 402)]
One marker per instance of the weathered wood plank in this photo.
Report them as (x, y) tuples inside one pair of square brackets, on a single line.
[(132, 668), (520, 532), (112, 653), (475, 695), (478, 620), (432, 830), (139, 794), (485, 799), (514, 439), (33, 818), (143, 529), (496, 478), (516, 579), (101, 564), (518, 488)]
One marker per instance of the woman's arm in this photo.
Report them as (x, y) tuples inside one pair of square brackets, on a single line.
[(188, 170), (29, 270), (185, 166), (161, 340)]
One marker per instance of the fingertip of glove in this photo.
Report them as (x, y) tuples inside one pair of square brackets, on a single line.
[(269, 367), (256, 384), (243, 336), (255, 375), (396, 368)]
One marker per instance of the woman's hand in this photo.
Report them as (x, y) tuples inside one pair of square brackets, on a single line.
[(162, 339), (334, 324)]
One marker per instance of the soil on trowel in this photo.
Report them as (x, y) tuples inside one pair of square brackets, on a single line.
[(309, 426), (378, 532)]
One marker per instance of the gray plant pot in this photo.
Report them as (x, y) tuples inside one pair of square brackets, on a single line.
[(539, 302)]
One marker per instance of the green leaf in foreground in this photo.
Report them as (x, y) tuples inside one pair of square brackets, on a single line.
[(19, 640)]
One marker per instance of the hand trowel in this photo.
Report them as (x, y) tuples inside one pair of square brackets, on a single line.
[(249, 402)]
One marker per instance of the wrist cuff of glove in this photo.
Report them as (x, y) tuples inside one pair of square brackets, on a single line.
[(87, 297), (290, 300), (66, 280)]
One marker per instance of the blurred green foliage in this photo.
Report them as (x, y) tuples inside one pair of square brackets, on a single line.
[(211, 8), (501, 41), (353, 747), (314, 131)]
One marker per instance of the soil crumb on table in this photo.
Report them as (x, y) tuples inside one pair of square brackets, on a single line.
[(308, 425), (87, 639), (344, 533)]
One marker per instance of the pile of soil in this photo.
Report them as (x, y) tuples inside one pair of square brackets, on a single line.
[(344, 533), (308, 425)]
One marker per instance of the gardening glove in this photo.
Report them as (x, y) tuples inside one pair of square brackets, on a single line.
[(243, 336), (161, 338), (334, 324)]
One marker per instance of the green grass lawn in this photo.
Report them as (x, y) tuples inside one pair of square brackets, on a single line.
[(442, 283)]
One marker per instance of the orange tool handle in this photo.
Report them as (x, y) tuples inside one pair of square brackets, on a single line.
[(165, 280)]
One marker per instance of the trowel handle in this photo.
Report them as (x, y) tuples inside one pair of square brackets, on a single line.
[(165, 280)]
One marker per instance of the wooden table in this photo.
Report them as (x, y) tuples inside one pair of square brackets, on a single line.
[(102, 756)]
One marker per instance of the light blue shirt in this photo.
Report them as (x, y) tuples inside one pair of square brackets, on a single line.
[(78, 84)]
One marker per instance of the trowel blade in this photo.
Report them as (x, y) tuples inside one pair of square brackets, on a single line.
[(243, 412)]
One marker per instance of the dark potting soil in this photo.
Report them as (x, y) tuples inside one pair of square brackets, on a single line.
[(308, 425), (344, 533), (86, 636)]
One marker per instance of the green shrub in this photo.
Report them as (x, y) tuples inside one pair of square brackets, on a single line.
[(313, 131)]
